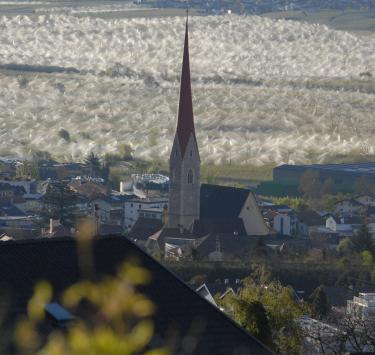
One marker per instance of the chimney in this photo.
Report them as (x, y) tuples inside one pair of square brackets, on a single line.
[(164, 217)]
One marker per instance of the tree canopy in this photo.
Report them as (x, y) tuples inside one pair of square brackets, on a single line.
[(281, 311), (319, 303), (93, 162), (60, 202)]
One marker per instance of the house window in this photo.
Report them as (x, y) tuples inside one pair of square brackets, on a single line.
[(190, 177)]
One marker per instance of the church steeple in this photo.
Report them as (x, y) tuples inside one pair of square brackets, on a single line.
[(184, 162), (185, 121)]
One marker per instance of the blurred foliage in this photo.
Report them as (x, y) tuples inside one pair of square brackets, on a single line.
[(28, 169), (367, 258), (118, 321), (345, 246), (296, 203)]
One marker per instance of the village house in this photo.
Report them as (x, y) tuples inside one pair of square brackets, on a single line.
[(88, 188), (147, 208), (297, 223), (362, 306), (308, 222), (286, 223), (349, 207), (173, 243), (345, 226), (366, 200), (109, 209)]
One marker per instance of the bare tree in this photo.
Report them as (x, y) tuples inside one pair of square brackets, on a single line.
[(351, 332)]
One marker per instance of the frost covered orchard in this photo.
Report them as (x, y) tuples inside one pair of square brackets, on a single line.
[(264, 90)]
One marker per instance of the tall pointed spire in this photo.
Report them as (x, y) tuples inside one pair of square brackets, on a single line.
[(184, 161), (185, 121)]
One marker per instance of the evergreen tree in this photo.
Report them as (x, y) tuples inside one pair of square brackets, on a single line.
[(60, 202), (93, 162), (363, 240), (105, 170), (319, 303), (253, 317)]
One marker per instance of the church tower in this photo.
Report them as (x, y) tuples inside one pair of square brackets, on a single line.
[(184, 161)]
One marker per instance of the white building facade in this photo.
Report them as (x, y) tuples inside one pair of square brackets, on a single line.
[(136, 208)]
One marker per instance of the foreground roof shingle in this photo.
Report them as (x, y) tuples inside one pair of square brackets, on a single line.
[(179, 308)]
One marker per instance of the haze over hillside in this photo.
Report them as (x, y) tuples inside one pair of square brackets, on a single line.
[(264, 90)]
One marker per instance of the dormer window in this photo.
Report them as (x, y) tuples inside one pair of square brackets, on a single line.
[(190, 177)]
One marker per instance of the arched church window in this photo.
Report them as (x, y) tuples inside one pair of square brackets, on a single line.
[(191, 153), (190, 177)]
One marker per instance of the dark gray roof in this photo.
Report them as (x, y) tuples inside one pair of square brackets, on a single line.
[(17, 190), (235, 245), (348, 220), (221, 201), (310, 218), (177, 305), (110, 229), (144, 228), (11, 211), (352, 169), (220, 225)]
